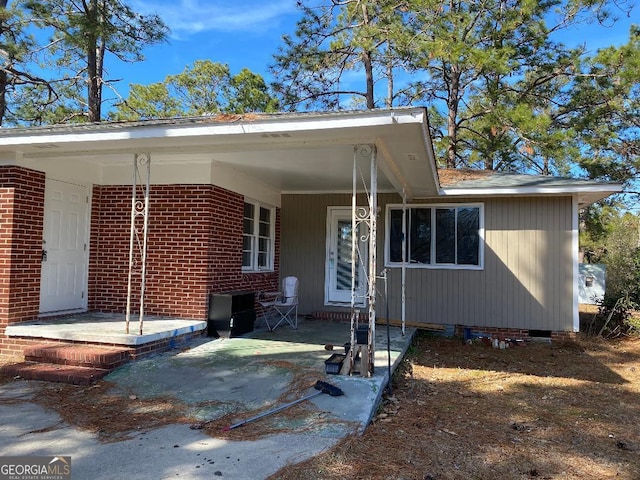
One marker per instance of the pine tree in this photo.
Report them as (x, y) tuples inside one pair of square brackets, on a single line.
[(205, 87), (17, 48), (85, 33)]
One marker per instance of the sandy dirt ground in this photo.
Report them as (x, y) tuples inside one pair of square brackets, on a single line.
[(469, 411), (457, 411)]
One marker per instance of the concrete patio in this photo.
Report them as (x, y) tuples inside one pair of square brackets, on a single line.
[(105, 328), (214, 378), (248, 373)]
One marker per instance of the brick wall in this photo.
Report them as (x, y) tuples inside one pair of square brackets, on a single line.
[(194, 247), (21, 225), (225, 248)]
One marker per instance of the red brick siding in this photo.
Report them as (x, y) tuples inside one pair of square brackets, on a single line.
[(194, 247), (178, 224), (21, 225), (226, 248)]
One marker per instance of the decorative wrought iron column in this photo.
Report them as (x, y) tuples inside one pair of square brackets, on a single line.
[(138, 236), (364, 230)]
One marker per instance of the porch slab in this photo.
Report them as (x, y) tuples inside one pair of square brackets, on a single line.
[(105, 328), (244, 374), (215, 377)]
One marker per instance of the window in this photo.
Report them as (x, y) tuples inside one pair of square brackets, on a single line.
[(258, 235), (437, 236)]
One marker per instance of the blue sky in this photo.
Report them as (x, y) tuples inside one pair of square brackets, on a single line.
[(246, 33), (240, 33)]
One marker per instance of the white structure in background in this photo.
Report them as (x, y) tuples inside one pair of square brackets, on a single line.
[(591, 282)]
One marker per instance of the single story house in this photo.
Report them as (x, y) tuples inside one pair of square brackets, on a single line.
[(237, 202)]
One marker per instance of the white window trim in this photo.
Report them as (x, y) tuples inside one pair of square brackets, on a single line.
[(433, 266), (254, 268)]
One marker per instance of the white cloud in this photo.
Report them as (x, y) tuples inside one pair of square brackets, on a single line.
[(186, 17)]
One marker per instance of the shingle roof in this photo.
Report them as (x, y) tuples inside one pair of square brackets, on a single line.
[(484, 179), (469, 182)]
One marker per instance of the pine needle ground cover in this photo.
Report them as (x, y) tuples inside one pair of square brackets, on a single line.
[(462, 411), (458, 411)]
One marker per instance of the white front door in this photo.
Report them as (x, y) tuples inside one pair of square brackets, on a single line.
[(338, 262), (64, 247)]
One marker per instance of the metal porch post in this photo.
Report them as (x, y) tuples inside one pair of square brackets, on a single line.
[(364, 216), (404, 259), (139, 208), (354, 258), (372, 224)]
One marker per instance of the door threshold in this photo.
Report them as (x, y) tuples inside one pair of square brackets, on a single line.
[(59, 313), (342, 304)]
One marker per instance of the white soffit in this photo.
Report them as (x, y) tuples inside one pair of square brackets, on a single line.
[(310, 152)]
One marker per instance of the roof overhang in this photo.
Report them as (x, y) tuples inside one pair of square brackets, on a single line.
[(586, 194), (288, 153)]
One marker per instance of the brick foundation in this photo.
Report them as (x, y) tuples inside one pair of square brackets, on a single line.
[(457, 330), (338, 316), (79, 363), (514, 333), (18, 345)]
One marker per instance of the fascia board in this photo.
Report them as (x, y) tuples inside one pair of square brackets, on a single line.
[(303, 123), (607, 189)]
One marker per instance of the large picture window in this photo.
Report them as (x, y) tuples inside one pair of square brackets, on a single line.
[(436, 236), (258, 237)]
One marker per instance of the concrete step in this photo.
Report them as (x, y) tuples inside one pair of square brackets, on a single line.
[(50, 372), (94, 356)]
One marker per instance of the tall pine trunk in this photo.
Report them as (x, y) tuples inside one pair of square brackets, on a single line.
[(95, 62), (452, 115), (4, 77), (368, 66)]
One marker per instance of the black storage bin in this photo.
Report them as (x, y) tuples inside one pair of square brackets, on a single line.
[(231, 314), (362, 334), (333, 364)]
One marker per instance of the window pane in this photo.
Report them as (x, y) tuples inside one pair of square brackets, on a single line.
[(257, 246), (468, 236), (247, 223), (248, 210), (247, 226), (395, 236), (420, 235), (343, 256), (445, 235)]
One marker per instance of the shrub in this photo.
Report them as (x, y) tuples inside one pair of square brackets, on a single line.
[(615, 317)]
